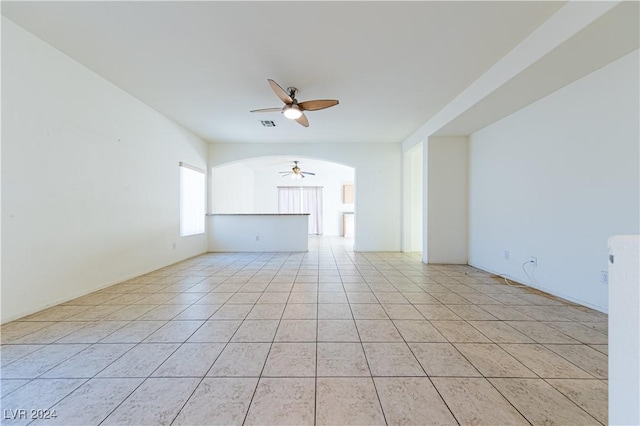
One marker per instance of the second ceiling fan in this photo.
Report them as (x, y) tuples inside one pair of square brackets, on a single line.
[(293, 109)]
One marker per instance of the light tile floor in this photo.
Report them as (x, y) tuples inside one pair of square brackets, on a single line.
[(326, 337)]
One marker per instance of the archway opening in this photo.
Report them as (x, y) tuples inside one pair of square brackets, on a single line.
[(259, 185)]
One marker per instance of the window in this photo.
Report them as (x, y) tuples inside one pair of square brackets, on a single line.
[(192, 200)]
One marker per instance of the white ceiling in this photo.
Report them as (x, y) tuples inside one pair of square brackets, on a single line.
[(392, 65)]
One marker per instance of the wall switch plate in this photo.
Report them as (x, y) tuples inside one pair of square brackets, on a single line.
[(533, 261), (506, 255)]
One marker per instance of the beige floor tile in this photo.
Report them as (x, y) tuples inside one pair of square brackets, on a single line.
[(41, 361), (101, 395), (18, 329), (361, 297), (590, 395), (157, 401), (300, 311), (256, 331), (541, 333), (283, 401), (332, 297), (505, 313), (442, 359), (421, 298), (392, 359), (277, 287), (95, 313), (134, 332), (391, 298), (291, 360), (504, 330), (349, 401), (540, 403), (492, 361), (140, 361), (163, 313), (368, 311), (412, 401), (198, 312), (243, 298), (471, 313), (459, 331), (56, 313), (215, 331), (341, 359), (296, 331), (232, 312), (52, 333), (240, 360), (402, 312), (89, 362), (544, 362), (418, 331), (601, 348), (580, 332), (302, 296), (499, 332), (10, 385), (190, 360), (129, 313), (585, 357), (337, 331), (334, 311), (437, 312), (218, 401), (378, 331), (473, 401), (268, 311), (450, 299), (174, 332)]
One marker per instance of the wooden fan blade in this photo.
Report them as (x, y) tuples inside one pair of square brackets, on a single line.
[(303, 120), (317, 104), (308, 173), (267, 110), (280, 92), (285, 173)]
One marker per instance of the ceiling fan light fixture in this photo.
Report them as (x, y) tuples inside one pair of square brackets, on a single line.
[(292, 112)]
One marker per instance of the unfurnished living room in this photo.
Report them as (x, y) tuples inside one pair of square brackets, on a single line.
[(323, 212)]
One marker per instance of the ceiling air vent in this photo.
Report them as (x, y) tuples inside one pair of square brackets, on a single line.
[(268, 123)]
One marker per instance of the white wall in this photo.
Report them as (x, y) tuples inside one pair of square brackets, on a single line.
[(90, 180), (233, 189), (557, 178), (378, 179), (447, 194), (624, 330), (413, 197), (258, 233)]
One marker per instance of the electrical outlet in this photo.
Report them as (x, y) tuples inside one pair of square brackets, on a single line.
[(257, 237), (604, 277), (506, 255), (533, 261)]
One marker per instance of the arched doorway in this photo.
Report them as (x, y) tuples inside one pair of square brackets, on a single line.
[(256, 185)]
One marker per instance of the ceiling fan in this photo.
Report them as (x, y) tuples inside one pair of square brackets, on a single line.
[(293, 109), (296, 172)]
